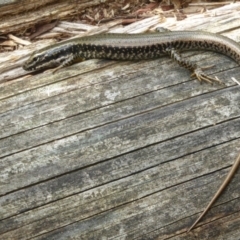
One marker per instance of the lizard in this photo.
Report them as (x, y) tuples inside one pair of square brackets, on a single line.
[(139, 47)]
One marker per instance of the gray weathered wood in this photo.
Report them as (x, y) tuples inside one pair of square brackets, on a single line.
[(105, 149)]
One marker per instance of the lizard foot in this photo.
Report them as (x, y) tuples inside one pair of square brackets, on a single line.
[(202, 77)]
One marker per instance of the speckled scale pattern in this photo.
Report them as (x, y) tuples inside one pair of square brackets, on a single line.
[(131, 47), (119, 53)]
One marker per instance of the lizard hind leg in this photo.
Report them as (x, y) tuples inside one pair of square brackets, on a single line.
[(197, 71), (202, 77)]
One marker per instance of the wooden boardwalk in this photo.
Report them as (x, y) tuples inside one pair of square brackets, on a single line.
[(119, 150)]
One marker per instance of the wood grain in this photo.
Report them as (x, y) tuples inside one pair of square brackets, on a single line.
[(126, 150)]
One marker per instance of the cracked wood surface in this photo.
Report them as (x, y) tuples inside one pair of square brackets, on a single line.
[(119, 150)]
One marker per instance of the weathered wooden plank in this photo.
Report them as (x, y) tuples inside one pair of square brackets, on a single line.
[(32, 12), (119, 150), (39, 87), (150, 186), (130, 216), (82, 94), (118, 167), (102, 152), (133, 127), (84, 121), (117, 138)]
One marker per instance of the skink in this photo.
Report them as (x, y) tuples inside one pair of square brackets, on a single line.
[(134, 47), (139, 47)]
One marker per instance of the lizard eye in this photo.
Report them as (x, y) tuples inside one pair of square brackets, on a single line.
[(34, 59)]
